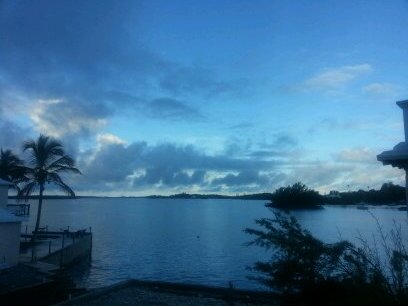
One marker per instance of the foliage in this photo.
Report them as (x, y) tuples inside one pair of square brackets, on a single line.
[(388, 193), (307, 271), (11, 168), (47, 160), (296, 196)]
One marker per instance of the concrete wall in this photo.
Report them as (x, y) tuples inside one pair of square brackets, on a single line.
[(9, 242), (80, 248)]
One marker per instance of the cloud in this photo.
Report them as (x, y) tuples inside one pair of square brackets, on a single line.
[(59, 118), (169, 177), (57, 50), (267, 153), (380, 89), (243, 178), (167, 108), (179, 80), (138, 165), (320, 175), (373, 176), (107, 139), (335, 78), (357, 155), (283, 141), (332, 124), (12, 135), (276, 145)]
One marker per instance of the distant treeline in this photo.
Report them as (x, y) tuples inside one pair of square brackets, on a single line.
[(387, 194), (51, 197), (255, 196)]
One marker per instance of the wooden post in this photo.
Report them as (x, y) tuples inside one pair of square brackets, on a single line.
[(90, 252), (62, 250), (32, 252)]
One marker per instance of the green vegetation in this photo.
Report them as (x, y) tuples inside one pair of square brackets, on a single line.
[(11, 168), (387, 194), (255, 196), (295, 196), (46, 161), (306, 271)]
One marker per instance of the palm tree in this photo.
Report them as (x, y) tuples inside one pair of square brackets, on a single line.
[(11, 168), (46, 161)]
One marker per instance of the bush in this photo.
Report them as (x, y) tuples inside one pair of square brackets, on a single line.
[(304, 270), (295, 196)]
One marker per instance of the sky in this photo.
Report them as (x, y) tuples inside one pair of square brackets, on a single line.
[(232, 97)]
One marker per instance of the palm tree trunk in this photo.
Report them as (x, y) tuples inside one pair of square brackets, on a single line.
[(37, 223)]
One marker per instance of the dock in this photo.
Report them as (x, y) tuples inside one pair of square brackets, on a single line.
[(20, 210), (59, 248)]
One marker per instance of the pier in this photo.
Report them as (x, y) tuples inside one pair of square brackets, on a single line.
[(20, 210), (59, 248)]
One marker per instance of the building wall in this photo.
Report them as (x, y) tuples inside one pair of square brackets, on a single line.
[(9, 242), (3, 196)]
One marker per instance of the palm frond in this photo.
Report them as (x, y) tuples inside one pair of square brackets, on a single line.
[(11, 168), (56, 179), (63, 161), (66, 169), (28, 189)]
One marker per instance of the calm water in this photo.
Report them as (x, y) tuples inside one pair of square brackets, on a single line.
[(197, 241)]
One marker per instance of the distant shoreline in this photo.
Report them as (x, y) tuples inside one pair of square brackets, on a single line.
[(259, 197)]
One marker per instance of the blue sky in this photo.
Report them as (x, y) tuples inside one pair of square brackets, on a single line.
[(208, 96)]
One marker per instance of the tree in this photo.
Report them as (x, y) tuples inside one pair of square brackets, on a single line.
[(46, 161), (296, 196), (303, 270), (11, 168)]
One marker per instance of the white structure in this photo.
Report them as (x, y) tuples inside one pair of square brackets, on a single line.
[(10, 229), (398, 156)]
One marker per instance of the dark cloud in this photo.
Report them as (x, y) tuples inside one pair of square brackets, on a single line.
[(11, 135), (179, 80), (89, 54), (284, 141), (164, 165), (170, 177), (68, 117), (246, 177), (167, 108), (112, 162)]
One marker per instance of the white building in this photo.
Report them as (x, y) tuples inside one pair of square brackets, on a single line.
[(398, 156), (10, 230)]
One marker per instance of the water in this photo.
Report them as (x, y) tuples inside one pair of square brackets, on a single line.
[(195, 241)]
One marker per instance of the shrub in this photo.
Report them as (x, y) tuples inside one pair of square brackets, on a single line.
[(295, 196), (305, 270)]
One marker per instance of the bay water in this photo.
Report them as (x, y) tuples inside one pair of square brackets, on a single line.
[(191, 240)]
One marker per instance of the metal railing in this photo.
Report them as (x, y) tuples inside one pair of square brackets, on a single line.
[(49, 241), (19, 209)]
